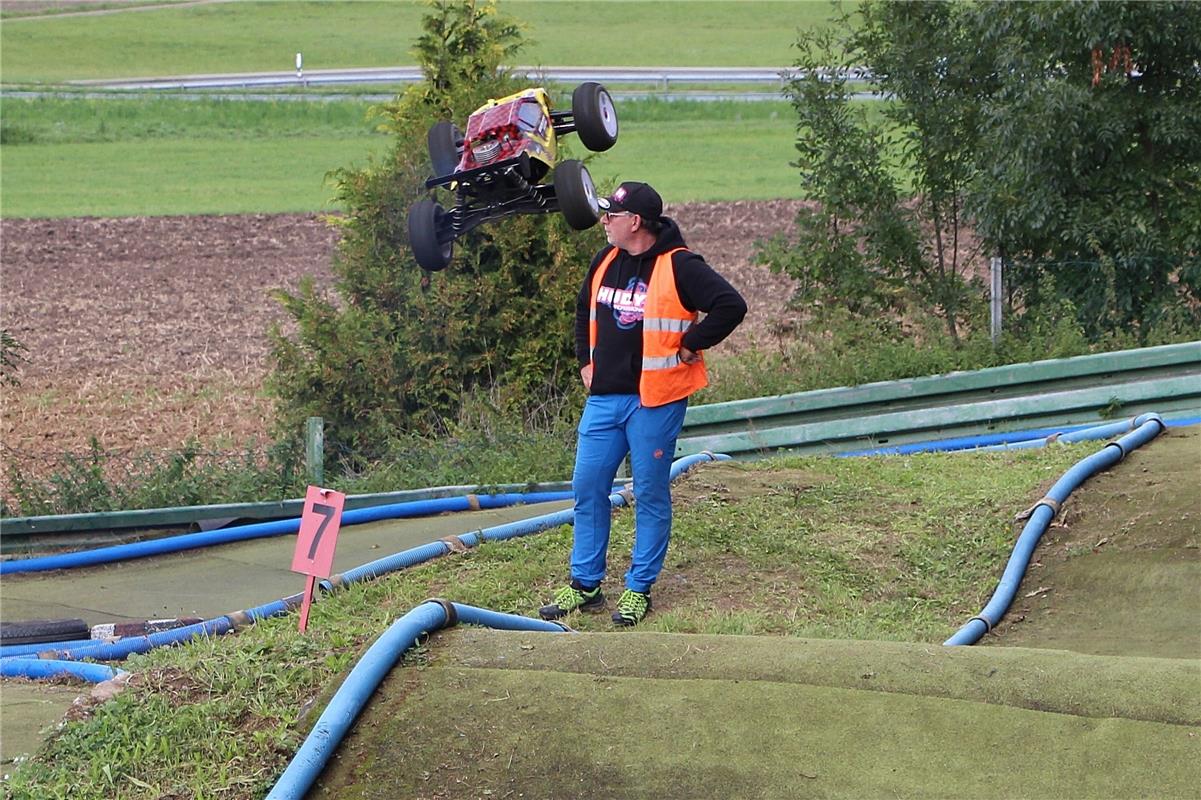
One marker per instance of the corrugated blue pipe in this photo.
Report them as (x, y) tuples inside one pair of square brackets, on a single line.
[(122, 648), (38, 669), (366, 676), (1148, 426), (14, 650), (1087, 434), (1011, 440), (432, 550), (220, 625), (191, 541), (960, 442), (217, 626)]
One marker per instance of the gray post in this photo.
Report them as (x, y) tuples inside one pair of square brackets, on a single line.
[(314, 450), (994, 294)]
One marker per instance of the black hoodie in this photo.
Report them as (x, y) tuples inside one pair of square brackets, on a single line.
[(617, 361)]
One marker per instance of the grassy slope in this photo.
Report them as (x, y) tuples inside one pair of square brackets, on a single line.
[(900, 548), (265, 36), (167, 157)]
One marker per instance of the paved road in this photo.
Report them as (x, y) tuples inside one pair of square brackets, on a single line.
[(662, 77)]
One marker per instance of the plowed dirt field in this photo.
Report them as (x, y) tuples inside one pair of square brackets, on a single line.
[(145, 332)]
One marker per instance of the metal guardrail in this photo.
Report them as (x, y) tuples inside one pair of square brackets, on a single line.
[(1041, 394), (662, 77), (217, 516)]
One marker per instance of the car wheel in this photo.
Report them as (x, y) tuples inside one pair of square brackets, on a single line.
[(445, 142), (425, 218), (576, 195), (595, 116)]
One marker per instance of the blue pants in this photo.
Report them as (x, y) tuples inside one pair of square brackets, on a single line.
[(613, 425)]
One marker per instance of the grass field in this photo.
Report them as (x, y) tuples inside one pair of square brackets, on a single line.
[(115, 158), (76, 157), (825, 560), (265, 36)]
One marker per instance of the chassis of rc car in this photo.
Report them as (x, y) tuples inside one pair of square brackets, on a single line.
[(498, 166)]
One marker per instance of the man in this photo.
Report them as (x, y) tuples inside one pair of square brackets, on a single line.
[(639, 346)]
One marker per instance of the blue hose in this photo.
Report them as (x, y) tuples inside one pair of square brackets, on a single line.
[(511, 530), (413, 556), (367, 674), (1079, 435), (960, 443), (191, 541), (38, 668), (1016, 440), (1148, 427), (14, 650), (122, 648)]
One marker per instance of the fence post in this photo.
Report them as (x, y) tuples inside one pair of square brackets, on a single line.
[(314, 450), (994, 296)]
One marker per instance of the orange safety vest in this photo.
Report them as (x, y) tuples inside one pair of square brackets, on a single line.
[(665, 378)]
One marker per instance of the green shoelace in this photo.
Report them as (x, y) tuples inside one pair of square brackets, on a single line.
[(569, 598), (632, 604)]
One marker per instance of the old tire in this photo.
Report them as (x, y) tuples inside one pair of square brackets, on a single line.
[(425, 218), (576, 195), (595, 116), (445, 142), (36, 631)]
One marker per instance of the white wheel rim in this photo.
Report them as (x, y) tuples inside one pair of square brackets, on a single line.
[(589, 190), (608, 114)]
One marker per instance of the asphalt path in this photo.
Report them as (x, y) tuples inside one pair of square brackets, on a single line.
[(662, 77)]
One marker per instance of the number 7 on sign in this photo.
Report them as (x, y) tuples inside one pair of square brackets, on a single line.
[(314, 555)]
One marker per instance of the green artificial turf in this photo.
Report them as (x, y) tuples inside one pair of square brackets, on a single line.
[(682, 716), (1118, 572)]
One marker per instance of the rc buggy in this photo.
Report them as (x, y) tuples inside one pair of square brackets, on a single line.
[(497, 167)]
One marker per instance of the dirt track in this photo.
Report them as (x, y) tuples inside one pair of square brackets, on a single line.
[(148, 331)]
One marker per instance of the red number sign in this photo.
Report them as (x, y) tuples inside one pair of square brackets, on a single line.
[(318, 532), (314, 554)]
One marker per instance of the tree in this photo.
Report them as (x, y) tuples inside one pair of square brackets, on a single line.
[(868, 243), (1089, 162), (395, 352), (1063, 132)]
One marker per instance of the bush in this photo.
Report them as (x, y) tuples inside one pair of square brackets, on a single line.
[(393, 354), (106, 480), (836, 347)]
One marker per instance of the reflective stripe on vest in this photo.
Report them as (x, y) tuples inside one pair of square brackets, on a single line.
[(664, 377)]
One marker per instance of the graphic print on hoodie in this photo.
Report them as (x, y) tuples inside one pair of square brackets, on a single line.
[(628, 304), (621, 301)]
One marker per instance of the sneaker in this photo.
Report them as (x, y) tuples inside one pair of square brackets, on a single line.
[(631, 607), (573, 597)]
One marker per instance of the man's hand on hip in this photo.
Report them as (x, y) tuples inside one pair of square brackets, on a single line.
[(586, 375), (689, 357)]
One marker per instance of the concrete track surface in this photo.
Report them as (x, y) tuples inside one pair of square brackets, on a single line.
[(200, 583)]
